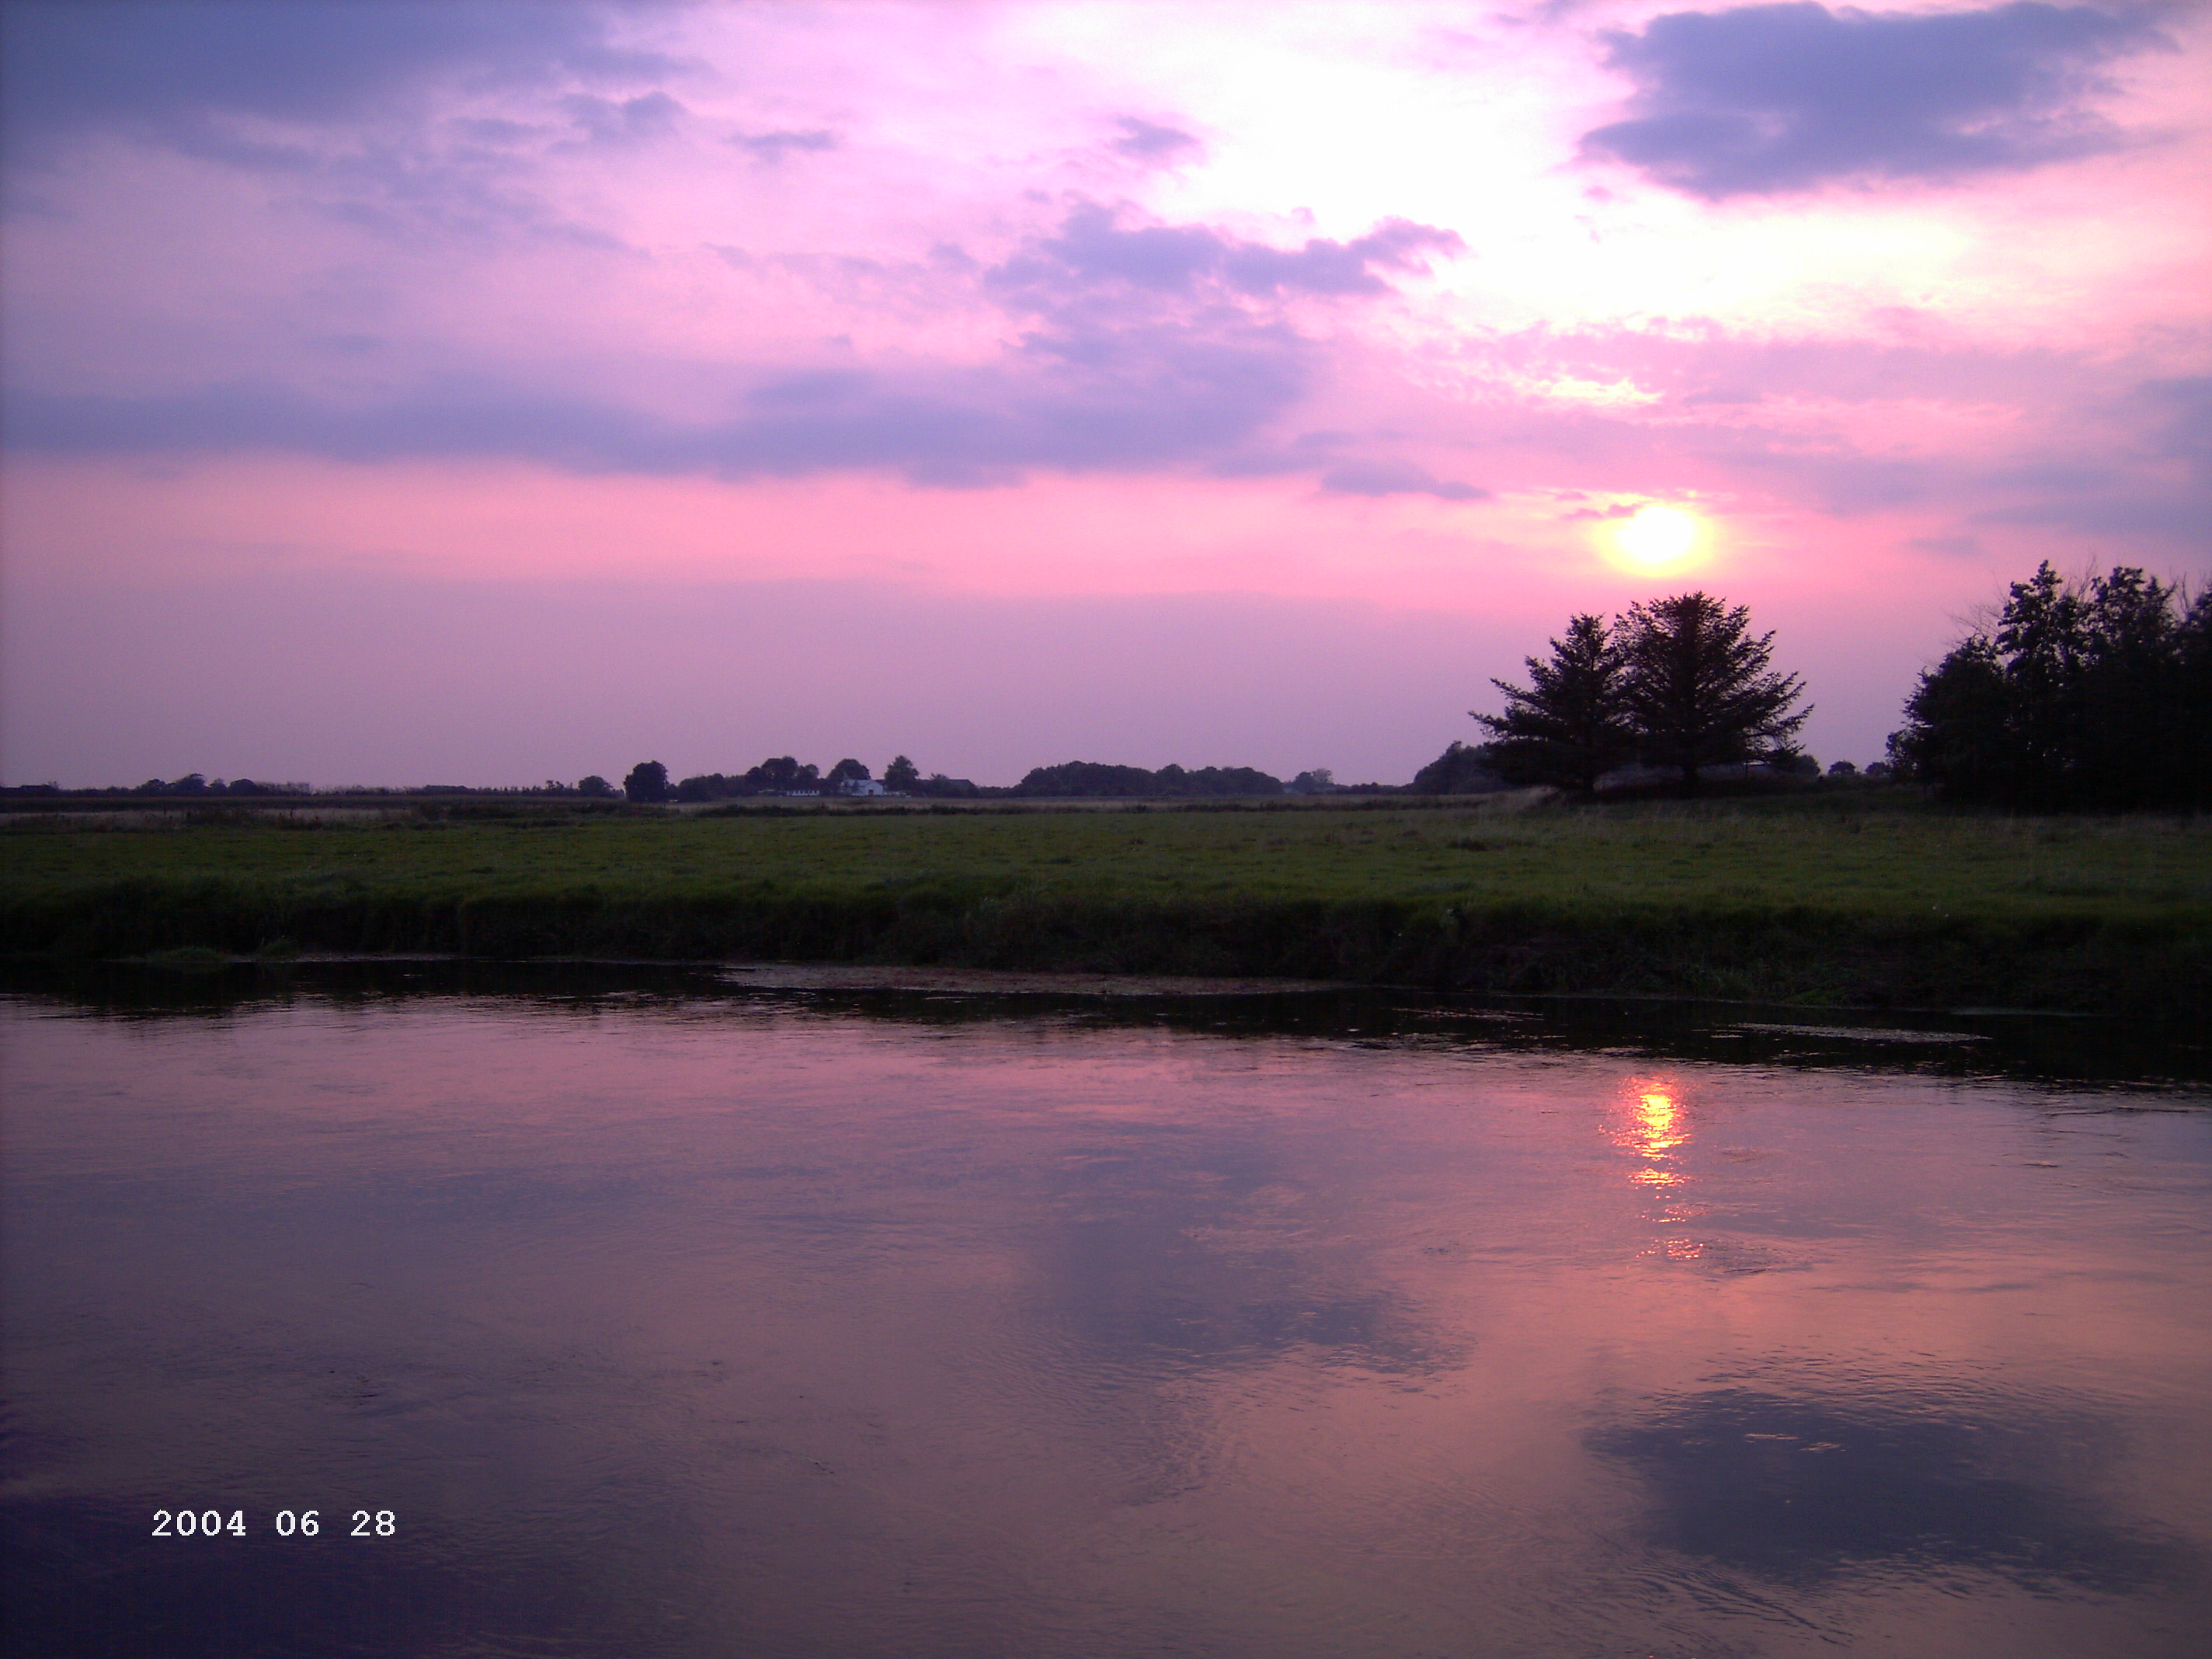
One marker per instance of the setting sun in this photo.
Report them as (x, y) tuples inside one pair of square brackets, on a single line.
[(1657, 538)]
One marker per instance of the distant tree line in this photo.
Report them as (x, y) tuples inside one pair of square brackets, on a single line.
[(1089, 780), (648, 783), (195, 785), (1680, 684), (2093, 696), (784, 775), (191, 786), (192, 783)]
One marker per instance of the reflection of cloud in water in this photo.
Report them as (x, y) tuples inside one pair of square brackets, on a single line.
[(1221, 1280), (1798, 1489), (1193, 1262), (1168, 1305)]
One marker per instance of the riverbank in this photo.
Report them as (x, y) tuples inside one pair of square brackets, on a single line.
[(1868, 902)]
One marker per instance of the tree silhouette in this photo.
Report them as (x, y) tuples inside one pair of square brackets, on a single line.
[(844, 769), (1461, 770), (1571, 725), (901, 775), (1697, 687), (647, 782), (2085, 694)]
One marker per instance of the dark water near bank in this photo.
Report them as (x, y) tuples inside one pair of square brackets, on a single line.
[(665, 1320)]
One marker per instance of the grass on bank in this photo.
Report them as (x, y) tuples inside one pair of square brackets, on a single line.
[(1843, 899)]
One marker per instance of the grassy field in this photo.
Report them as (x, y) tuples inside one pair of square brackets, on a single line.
[(1854, 898)]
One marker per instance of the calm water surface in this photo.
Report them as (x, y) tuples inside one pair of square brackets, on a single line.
[(686, 1323)]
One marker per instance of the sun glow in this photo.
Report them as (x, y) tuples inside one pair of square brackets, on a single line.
[(1656, 539)]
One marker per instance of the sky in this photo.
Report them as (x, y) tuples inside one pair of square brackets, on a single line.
[(487, 393)]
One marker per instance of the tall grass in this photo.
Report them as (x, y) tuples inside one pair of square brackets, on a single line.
[(1846, 901)]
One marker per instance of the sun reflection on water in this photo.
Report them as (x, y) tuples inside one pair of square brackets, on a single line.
[(1649, 1121), (1662, 1121)]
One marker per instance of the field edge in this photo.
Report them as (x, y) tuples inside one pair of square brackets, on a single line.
[(1805, 955)]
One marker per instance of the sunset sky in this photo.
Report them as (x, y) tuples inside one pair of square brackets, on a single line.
[(487, 393)]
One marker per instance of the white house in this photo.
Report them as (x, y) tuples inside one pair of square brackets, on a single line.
[(861, 787)]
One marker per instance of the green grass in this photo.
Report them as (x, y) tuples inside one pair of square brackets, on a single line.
[(1814, 899)]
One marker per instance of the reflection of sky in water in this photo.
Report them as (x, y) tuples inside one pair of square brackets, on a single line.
[(709, 1328), (1803, 1488)]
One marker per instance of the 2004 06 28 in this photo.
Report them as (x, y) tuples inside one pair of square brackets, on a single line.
[(302, 1523)]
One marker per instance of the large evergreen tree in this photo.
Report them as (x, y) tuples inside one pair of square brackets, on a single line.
[(1698, 688), (1570, 724)]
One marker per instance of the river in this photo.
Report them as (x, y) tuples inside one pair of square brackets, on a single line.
[(639, 1313)]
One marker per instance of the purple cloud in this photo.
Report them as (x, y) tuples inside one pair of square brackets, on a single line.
[(174, 71), (1395, 479), (623, 120), (1767, 99), (1151, 143), (773, 147), (1092, 247)]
